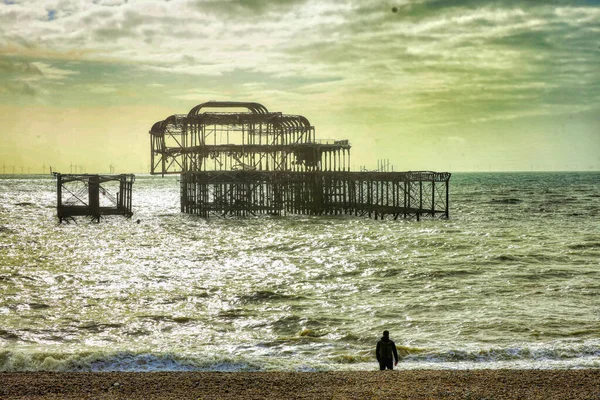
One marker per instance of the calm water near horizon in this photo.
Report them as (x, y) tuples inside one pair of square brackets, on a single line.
[(511, 280)]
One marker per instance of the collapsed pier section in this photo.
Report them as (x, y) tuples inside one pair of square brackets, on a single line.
[(239, 159), (92, 195), (377, 195)]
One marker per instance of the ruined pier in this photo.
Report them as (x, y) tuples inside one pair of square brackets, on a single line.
[(93, 195), (240, 159)]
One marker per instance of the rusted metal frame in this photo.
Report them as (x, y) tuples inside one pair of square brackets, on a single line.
[(440, 201), (152, 139), (59, 186), (414, 197), (280, 163), (263, 155), (447, 210), (433, 198), (174, 160), (424, 199), (384, 202), (366, 198), (396, 195), (183, 196), (255, 108), (339, 189), (72, 195), (377, 198), (347, 196), (161, 160), (91, 185), (369, 201), (334, 160), (420, 200), (387, 193), (173, 136), (75, 198), (107, 194), (198, 193), (406, 197)]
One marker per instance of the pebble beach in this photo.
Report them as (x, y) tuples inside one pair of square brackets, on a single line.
[(422, 384)]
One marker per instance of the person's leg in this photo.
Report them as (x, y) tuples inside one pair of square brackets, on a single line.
[(382, 364), (389, 363)]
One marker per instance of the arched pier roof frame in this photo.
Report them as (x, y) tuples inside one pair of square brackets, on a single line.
[(254, 108)]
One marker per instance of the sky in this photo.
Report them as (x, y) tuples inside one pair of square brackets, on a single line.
[(464, 85)]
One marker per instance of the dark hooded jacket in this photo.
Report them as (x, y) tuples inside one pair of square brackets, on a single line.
[(385, 349)]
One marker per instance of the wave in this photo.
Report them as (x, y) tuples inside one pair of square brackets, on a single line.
[(262, 295), (584, 246), (528, 258), (119, 361), (506, 201), (533, 353), (5, 229), (25, 204), (7, 335), (563, 356)]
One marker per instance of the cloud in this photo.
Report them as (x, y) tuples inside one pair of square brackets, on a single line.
[(110, 3), (18, 88), (100, 88), (197, 96), (244, 8), (17, 78), (9, 66), (54, 73), (451, 61), (22, 80)]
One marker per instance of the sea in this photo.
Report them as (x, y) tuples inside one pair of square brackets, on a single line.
[(510, 280)]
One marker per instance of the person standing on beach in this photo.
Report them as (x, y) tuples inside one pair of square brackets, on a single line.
[(386, 352)]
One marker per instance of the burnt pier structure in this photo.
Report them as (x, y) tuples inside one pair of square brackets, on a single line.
[(92, 195), (239, 159)]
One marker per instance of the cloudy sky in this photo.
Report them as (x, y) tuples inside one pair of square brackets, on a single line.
[(428, 84)]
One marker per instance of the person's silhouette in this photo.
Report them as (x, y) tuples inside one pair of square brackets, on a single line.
[(386, 352)]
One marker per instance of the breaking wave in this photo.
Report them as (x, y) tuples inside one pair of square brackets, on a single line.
[(549, 356)]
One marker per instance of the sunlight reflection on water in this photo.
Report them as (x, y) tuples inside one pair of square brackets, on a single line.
[(303, 292)]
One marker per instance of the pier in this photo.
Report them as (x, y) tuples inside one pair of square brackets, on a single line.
[(239, 159), (92, 195)]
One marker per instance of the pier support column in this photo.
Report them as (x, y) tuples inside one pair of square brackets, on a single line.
[(94, 197), (447, 213)]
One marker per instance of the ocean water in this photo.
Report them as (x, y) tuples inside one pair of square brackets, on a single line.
[(511, 280)]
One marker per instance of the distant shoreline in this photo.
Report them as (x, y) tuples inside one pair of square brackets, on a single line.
[(399, 384)]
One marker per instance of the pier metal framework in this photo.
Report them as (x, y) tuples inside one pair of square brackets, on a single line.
[(92, 195), (239, 159)]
